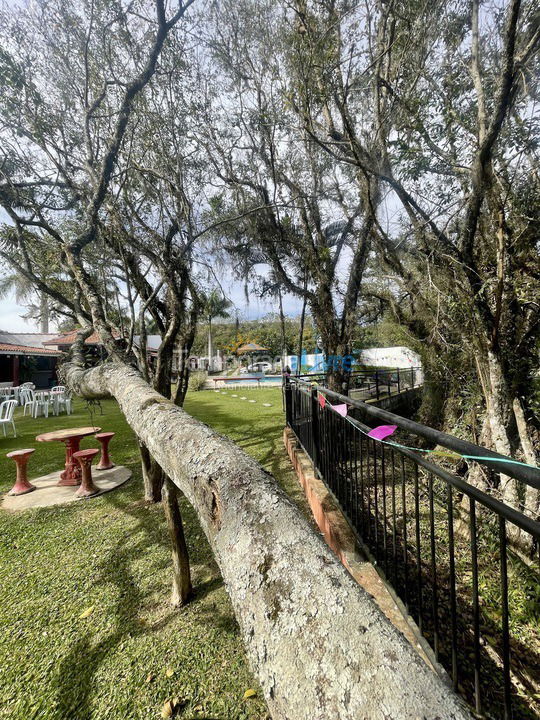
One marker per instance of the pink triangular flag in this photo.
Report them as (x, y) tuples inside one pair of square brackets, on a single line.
[(322, 400), (341, 409), (382, 431)]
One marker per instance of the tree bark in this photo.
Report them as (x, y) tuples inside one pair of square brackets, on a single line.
[(152, 475), (182, 381), (499, 412), (320, 646), (44, 312), (532, 494), (282, 329), (183, 366), (301, 336), (181, 585)]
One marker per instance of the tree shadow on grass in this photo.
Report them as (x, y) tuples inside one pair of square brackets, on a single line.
[(75, 680), (76, 676)]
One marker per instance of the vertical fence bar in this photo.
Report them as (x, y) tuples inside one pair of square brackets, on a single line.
[(453, 606), (398, 381), (356, 491), (342, 466), (312, 421), (288, 401), (418, 549), (339, 453), (332, 476), (362, 494), (350, 466), (394, 518), (368, 490), (315, 434), (505, 626), (476, 605), (375, 498), (327, 446), (404, 513), (434, 593), (383, 487), (345, 475)]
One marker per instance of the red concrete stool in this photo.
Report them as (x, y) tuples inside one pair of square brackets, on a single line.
[(22, 485), (84, 458), (105, 462)]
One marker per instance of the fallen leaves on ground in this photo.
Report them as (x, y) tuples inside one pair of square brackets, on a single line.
[(86, 612), (171, 706), (167, 709)]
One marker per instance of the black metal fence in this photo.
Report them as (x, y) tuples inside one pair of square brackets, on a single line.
[(464, 563), (374, 383)]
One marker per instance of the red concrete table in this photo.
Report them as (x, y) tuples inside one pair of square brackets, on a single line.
[(72, 438), (22, 485)]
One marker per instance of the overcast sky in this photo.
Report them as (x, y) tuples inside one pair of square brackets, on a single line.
[(10, 312)]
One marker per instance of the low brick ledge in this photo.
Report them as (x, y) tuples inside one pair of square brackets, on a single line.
[(341, 539)]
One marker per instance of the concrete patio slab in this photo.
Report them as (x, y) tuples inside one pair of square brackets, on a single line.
[(48, 492)]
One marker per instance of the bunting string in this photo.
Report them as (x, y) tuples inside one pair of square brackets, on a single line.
[(381, 432)]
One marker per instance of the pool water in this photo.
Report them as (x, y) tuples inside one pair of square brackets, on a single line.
[(276, 380)]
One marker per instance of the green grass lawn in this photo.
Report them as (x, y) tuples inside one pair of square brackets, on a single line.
[(257, 429), (111, 554)]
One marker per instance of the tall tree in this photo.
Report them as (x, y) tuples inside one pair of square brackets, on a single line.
[(69, 90), (454, 145), (213, 305), (305, 220)]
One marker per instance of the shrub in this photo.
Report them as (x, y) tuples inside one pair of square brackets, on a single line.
[(197, 380)]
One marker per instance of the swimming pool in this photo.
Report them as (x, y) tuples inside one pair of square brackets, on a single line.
[(266, 379)]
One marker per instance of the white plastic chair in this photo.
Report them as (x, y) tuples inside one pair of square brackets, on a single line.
[(7, 408), (27, 399), (60, 399), (42, 402), (6, 393)]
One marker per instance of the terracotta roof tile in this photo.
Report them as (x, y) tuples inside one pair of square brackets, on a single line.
[(6, 348), (69, 338)]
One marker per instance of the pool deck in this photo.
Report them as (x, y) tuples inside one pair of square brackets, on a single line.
[(235, 382)]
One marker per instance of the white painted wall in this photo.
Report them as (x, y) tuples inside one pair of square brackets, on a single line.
[(394, 357)]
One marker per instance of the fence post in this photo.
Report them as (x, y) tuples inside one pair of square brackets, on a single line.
[(315, 427), (412, 377), (398, 382), (377, 384), (288, 399)]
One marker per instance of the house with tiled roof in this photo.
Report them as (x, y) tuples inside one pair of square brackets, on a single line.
[(95, 350), (24, 357), (64, 341)]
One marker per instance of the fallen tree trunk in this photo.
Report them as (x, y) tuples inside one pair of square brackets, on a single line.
[(321, 648)]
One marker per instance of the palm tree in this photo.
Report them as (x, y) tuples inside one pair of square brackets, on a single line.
[(214, 305), (25, 292)]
